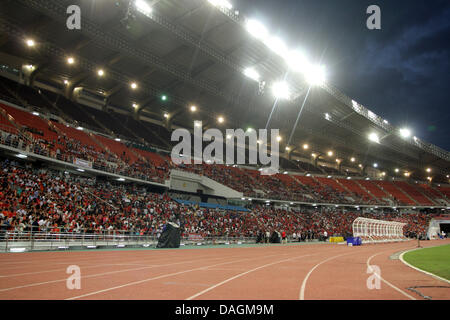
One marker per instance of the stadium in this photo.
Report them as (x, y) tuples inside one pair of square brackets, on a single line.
[(97, 205)]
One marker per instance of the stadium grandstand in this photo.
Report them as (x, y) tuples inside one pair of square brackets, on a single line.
[(86, 119)]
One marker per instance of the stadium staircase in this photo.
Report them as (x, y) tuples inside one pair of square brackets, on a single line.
[(396, 192), (354, 187), (414, 193)]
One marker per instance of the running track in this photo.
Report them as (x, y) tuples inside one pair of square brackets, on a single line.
[(289, 272)]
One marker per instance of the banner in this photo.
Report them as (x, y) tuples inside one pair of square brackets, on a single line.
[(195, 237), (82, 163)]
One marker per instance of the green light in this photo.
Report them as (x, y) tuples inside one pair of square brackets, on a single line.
[(164, 98)]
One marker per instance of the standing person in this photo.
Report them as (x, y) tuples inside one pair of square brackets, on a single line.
[(267, 236), (325, 235), (283, 237)]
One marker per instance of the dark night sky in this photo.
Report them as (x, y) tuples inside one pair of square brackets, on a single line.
[(400, 72)]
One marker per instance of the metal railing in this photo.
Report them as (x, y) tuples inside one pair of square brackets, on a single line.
[(44, 241)]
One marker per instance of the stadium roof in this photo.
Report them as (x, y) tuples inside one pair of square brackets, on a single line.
[(197, 53)]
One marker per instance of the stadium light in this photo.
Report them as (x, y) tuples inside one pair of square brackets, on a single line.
[(352, 159), (276, 45), (375, 165), (288, 148), (193, 108), (221, 3), (279, 138), (70, 60), (143, 6), (406, 174), (315, 74), (330, 153), (221, 119), (135, 105), (30, 43), (117, 139), (374, 137), (428, 169), (100, 72), (305, 146), (405, 132), (166, 115), (256, 29), (296, 61), (228, 136), (133, 85), (360, 165), (397, 170), (163, 97), (197, 124), (280, 90), (313, 155), (251, 73)]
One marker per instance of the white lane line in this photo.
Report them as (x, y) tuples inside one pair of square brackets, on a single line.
[(303, 287), (159, 277), (420, 270), (387, 282), (240, 275), (97, 275)]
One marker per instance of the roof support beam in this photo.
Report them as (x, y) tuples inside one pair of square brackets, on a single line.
[(57, 10)]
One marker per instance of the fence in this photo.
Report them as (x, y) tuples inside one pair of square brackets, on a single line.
[(39, 241)]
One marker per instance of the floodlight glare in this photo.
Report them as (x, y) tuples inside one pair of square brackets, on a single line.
[(135, 105), (70, 60), (397, 170), (193, 108), (314, 74), (30, 42), (375, 165), (374, 137), (428, 169), (330, 153), (281, 90), (220, 119), (352, 159), (166, 115), (163, 97), (252, 74), (256, 29), (100, 72), (279, 138), (296, 60), (221, 3), (305, 146), (143, 6), (133, 85), (276, 45), (405, 132)]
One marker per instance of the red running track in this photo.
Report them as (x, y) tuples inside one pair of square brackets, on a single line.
[(288, 272)]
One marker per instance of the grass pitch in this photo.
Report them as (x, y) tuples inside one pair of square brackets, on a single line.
[(435, 260)]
